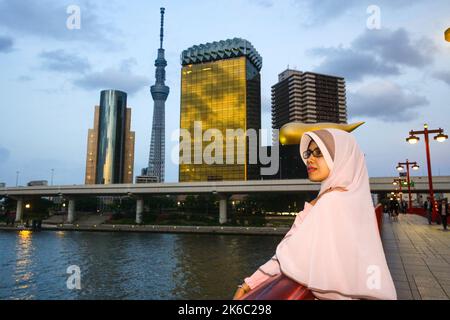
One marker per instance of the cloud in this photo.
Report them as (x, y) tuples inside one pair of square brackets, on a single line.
[(120, 78), (24, 78), (263, 3), (61, 61), (6, 44), (327, 10), (49, 18), (319, 13), (396, 47), (351, 64), (386, 101), (443, 76), (4, 154), (375, 53)]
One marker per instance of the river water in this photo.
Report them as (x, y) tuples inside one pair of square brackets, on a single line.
[(112, 265)]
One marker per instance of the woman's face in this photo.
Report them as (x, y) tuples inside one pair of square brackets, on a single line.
[(317, 167)]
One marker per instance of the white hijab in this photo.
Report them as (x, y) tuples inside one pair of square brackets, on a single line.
[(337, 248)]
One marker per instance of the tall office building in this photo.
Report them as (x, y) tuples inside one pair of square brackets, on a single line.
[(221, 87), (110, 147), (159, 91), (308, 97), (305, 97)]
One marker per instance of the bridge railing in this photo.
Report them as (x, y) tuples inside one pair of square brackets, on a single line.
[(379, 214), (419, 211)]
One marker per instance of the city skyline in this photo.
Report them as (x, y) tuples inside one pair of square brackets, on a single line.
[(397, 78)]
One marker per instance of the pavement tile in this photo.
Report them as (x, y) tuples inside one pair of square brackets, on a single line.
[(416, 295), (426, 281), (404, 294), (399, 277), (401, 285), (442, 275), (446, 290), (431, 293)]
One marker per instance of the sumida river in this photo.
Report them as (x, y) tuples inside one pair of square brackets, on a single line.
[(113, 265)]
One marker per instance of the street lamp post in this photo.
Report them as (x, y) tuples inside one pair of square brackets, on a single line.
[(17, 178), (440, 137), (398, 181), (51, 180), (400, 168)]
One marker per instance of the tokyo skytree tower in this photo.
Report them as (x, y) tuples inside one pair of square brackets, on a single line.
[(159, 93)]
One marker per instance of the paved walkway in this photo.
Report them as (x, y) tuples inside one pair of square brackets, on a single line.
[(418, 256)]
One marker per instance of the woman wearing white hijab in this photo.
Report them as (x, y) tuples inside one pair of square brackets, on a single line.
[(334, 247)]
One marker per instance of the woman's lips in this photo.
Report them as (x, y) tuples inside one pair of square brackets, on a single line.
[(310, 169)]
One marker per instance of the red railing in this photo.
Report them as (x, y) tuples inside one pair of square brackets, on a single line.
[(379, 214), (422, 212), (419, 211)]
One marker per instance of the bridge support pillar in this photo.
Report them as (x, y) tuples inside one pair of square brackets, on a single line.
[(19, 210), (71, 211), (139, 210), (223, 208)]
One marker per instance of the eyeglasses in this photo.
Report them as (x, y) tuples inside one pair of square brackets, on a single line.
[(316, 153)]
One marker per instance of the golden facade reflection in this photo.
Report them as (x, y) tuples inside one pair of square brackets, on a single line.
[(24, 251), (24, 236), (216, 93)]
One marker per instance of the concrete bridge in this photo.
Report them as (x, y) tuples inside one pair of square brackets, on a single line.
[(224, 189)]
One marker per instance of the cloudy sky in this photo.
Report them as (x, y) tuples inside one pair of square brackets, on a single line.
[(398, 75)]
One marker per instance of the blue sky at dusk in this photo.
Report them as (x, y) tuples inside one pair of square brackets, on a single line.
[(398, 76)]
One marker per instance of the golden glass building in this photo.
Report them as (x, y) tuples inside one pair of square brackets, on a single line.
[(221, 87), (110, 147)]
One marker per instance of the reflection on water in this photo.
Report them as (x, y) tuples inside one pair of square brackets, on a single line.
[(128, 265), (22, 273)]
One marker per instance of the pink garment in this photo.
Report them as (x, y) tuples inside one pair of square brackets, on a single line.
[(272, 267), (336, 250)]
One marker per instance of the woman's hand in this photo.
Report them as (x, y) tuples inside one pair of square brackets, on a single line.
[(342, 189), (241, 291)]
